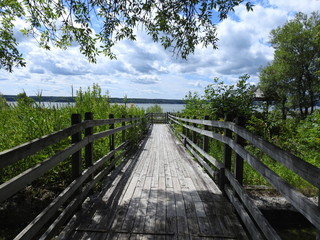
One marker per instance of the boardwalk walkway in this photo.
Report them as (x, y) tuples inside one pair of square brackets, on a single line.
[(160, 194)]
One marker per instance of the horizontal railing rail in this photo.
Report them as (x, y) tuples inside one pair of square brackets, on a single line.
[(158, 118), (83, 180), (231, 184)]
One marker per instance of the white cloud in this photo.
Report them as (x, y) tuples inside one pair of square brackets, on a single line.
[(296, 5), (144, 69)]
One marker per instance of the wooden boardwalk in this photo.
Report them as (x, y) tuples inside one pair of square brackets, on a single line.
[(159, 194)]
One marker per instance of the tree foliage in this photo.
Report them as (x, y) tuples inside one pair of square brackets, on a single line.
[(236, 100), (97, 25), (291, 79), (221, 99), (154, 109), (195, 105)]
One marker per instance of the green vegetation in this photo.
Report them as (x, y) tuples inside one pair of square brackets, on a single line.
[(295, 134), (177, 25), (28, 120), (291, 82), (292, 79), (154, 109)]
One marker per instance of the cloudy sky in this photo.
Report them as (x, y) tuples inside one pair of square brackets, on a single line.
[(144, 70)]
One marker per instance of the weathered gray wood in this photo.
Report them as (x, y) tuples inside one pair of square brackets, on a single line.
[(123, 134), (205, 144), (31, 230), (111, 137), (297, 165), (244, 216), (303, 204), (210, 171), (12, 155), (17, 183), (194, 134), (304, 169), (238, 161), (89, 147), (227, 149), (297, 199), (76, 157), (261, 221), (159, 206), (211, 159), (109, 132)]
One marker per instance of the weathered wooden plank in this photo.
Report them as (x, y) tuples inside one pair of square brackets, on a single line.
[(46, 214), (140, 216), (12, 155), (304, 169), (204, 225), (244, 216), (210, 171), (173, 207), (17, 183), (211, 159), (297, 199), (261, 221)]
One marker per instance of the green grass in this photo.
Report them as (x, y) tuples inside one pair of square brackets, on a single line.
[(28, 120)]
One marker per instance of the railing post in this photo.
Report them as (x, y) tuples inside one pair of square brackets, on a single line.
[(227, 148), (76, 157), (238, 162), (194, 134), (187, 130), (111, 126), (151, 118), (205, 140), (227, 154), (89, 147), (131, 131), (184, 132), (123, 134)]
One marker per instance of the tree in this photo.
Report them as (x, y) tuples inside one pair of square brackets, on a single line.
[(194, 105), (236, 100), (296, 63), (154, 109), (275, 86), (178, 25), (23, 100)]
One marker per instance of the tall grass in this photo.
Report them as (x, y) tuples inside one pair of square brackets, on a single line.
[(28, 120)]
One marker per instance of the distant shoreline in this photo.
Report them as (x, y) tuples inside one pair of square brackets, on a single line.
[(13, 98)]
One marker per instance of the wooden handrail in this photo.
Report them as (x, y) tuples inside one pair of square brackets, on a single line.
[(20, 181), (304, 169), (14, 154)]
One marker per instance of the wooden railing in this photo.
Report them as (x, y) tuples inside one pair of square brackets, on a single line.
[(158, 118), (83, 180), (234, 137)]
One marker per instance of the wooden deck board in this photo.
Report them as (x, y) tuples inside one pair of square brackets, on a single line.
[(163, 194)]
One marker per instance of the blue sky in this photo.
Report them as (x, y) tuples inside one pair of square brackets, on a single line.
[(144, 70)]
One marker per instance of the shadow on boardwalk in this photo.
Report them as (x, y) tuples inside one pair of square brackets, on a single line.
[(160, 193)]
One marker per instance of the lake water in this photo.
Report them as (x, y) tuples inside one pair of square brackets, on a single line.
[(165, 107)]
